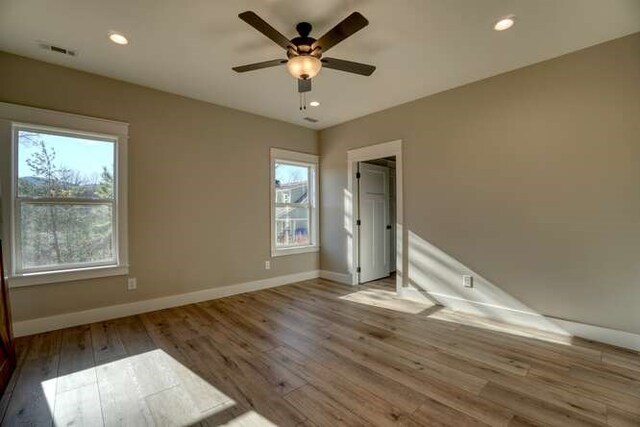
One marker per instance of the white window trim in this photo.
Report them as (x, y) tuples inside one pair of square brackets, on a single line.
[(17, 115), (305, 160)]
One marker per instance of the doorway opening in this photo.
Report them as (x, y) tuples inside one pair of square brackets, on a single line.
[(377, 212), (374, 213)]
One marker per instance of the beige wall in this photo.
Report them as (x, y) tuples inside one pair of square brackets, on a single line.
[(530, 178), (198, 187)]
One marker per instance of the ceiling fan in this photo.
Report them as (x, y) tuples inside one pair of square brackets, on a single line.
[(304, 53)]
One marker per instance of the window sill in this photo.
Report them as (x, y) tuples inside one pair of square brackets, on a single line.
[(294, 251), (34, 279)]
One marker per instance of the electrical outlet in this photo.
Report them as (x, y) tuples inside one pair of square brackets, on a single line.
[(132, 284), (467, 281), (267, 265)]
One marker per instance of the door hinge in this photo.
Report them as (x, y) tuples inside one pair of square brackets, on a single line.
[(357, 175), (358, 270), (358, 222)]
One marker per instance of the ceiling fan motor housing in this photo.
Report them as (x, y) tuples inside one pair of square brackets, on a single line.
[(303, 42)]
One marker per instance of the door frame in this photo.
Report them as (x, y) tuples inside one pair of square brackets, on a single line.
[(372, 152)]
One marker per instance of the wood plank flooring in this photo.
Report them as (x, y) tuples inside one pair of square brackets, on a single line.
[(318, 354)]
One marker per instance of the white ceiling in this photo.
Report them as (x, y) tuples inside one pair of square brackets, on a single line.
[(420, 47)]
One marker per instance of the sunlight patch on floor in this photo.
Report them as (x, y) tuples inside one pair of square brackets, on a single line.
[(387, 299), (481, 322), (147, 388), (249, 419)]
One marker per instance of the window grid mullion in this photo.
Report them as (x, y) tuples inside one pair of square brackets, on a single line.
[(64, 201), (292, 205)]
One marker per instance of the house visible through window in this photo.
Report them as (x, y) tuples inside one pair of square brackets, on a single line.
[(65, 200), (294, 192)]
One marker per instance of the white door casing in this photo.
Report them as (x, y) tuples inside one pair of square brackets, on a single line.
[(351, 205), (392, 219)]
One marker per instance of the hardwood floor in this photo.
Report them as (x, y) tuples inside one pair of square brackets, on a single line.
[(318, 354)]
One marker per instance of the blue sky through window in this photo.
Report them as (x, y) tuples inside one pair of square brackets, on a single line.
[(286, 173), (86, 156)]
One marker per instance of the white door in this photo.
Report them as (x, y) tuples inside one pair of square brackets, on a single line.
[(374, 218), (392, 220)]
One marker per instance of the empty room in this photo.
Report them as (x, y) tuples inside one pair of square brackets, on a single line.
[(320, 213)]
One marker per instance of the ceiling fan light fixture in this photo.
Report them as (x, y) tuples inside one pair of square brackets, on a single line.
[(304, 67)]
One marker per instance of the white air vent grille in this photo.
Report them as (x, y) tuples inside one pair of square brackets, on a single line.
[(57, 49)]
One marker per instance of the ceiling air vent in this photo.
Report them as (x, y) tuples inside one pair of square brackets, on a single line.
[(311, 119), (57, 49)]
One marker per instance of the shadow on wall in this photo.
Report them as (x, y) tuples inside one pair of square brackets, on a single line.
[(438, 276)]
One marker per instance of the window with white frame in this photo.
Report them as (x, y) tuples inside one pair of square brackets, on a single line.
[(294, 191), (67, 218), (65, 201)]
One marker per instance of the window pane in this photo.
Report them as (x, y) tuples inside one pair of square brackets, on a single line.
[(292, 183), (292, 227), (57, 235), (52, 165)]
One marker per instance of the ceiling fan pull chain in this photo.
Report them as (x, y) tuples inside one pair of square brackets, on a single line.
[(303, 101)]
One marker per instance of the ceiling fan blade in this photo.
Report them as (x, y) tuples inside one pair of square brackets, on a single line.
[(259, 65), (261, 25), (350, 25), (304, 85), (348, 66)]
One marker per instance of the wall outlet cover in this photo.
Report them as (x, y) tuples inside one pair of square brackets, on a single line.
[(267, 265), (467, 281), (132, 283)]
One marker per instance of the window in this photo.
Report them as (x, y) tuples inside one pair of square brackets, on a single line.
[(294, 189), (67, 218), (65, 200)]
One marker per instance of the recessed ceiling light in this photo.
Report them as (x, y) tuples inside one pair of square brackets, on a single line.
[(314, 103), (118, 38), (505, 23)]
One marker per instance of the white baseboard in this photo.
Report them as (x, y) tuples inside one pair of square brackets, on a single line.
[(45, 324), (336, 277), (598, 333), (530, 319)]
